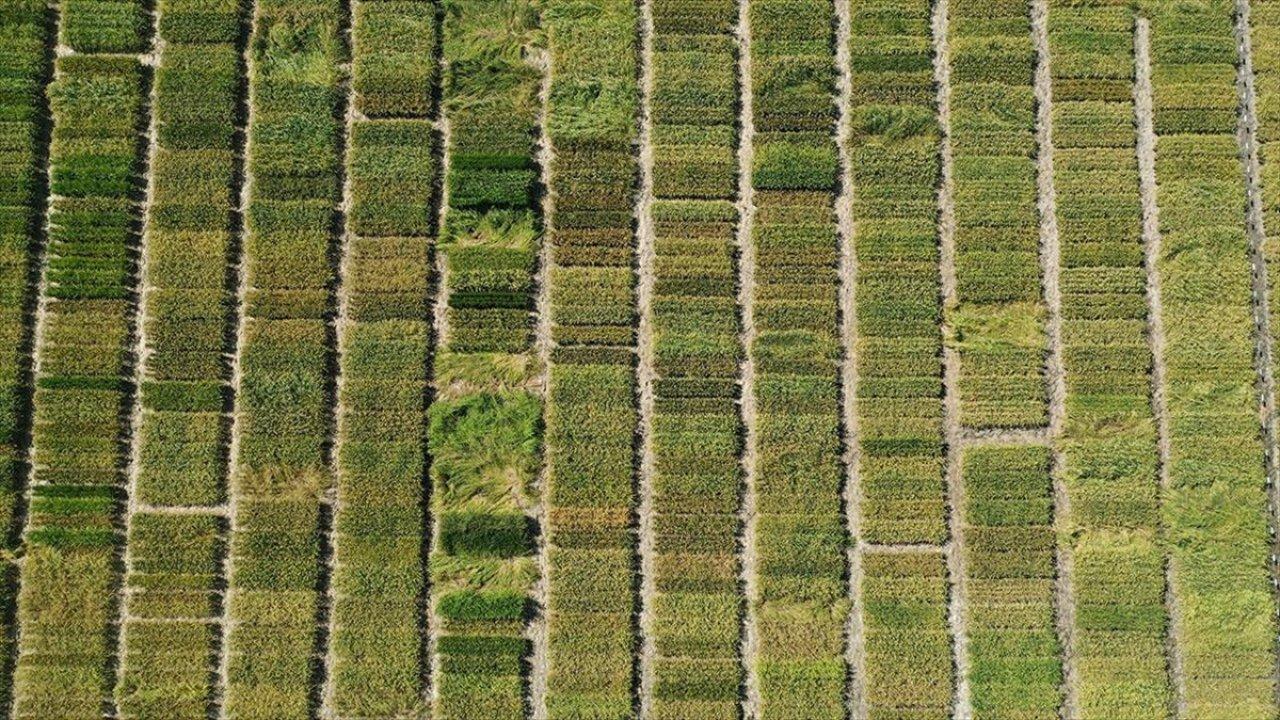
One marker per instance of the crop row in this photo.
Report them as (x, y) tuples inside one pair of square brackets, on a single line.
[(997, 324), (67, 611), (485, 422), (1109, 451), (800, 538), (1015, 666), (24, 70), (591, 418), (908, 656), (696, 358), (895, 175), (378, 519), (895, 165), (284, 419), (1216, 506), (174, 560)]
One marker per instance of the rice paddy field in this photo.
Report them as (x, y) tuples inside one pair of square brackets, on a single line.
[(639, 359)]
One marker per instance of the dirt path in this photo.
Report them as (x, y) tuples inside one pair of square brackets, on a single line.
[(954, 549), (1264, 354), (747, 517), (1055, 372), (855, 640), (538, 629), (1155, 324)]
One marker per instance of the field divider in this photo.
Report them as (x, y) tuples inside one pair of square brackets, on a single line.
[(1155, 328), (1264, 344), (150, 60), (952, 431), (232, 504), (646, 376), (851, 493), (440, 336), (341, 331), (1055, 372), (537, 630), (748, 517)]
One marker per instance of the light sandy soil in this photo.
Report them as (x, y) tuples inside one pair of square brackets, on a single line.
[(855, 642), (538, 629), (747, 517), (1155, 323), (954, 550), (1055, 372), (1263, 344)]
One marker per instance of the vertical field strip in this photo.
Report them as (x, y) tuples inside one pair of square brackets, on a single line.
[(173, 601), (591, 414), (1258, 35), (745, 250), (801, 603), (1061, 561), (895, 165), (284, 411), (645, 288), (999, 326), (696, 425), (1116, 584), (84, 363), (1216, 502), (384, 352), (997, 322), (25, 64), (485, 421)]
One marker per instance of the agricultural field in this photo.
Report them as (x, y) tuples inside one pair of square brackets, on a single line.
[(640, 359)]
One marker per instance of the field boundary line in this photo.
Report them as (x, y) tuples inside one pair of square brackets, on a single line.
[(1155, 329), (1055, 371), (855, 639), (1264, 353), (952, 428), (748, 518), (237, 368), (34, 324), (139, 354), (537, 630), (341, 324), (646, 377)]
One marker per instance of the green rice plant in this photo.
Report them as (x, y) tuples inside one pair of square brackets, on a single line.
[(909, 660), (1109, 440), (1215, 511), (1015, 666), (997, 323), (485, 432), (24, 70), (70, 572), (800, 538), (286, 352), (395, 73), (378, 581), (167, 667), (590, 417), (696, 427), (894, 141), (104, 26)]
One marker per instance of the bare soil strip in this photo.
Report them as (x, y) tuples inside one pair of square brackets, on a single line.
[(538, 629), (1055, 372), (855, 641), (747, 517), (953, 435), (1264, 354), (237, 371), (1155, 323)]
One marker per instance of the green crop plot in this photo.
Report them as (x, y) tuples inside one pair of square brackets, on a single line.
[(639, 359)]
